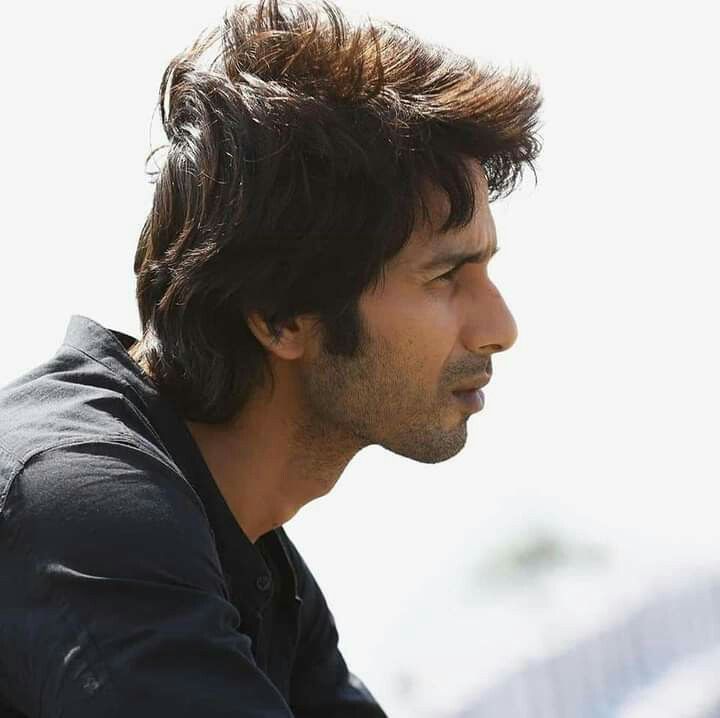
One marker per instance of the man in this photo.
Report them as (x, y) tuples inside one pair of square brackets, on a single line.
[(312, 279)]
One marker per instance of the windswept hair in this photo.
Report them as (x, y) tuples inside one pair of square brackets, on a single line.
[(296, 168)]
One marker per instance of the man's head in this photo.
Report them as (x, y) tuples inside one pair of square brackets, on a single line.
[(430, 330), (314, 171)]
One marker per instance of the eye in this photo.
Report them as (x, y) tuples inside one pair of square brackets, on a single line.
[(449, 275)]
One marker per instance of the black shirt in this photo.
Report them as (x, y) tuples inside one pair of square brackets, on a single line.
[(127, 588)]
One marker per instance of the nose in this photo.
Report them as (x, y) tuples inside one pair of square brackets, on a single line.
[(491, 327)]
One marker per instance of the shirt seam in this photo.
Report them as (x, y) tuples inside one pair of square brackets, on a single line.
[(115, 439), (21, 462), (11, 479)]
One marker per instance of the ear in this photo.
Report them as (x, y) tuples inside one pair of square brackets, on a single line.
[(291, 343)]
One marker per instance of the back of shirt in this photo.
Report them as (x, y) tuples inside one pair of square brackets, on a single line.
[(127, 586)]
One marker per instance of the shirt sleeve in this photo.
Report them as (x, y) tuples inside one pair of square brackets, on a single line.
[(321, 685), (114, 602)]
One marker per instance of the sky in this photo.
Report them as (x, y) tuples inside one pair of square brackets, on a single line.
[(600, 423)]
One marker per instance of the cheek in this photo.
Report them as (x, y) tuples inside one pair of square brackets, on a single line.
[(434, 323), (421, 310), (419, 327), (424, 342)]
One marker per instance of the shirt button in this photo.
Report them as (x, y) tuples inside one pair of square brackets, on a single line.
[(263, 582), (91, 684)]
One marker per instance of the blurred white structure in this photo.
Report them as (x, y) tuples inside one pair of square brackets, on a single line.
[(690, 690), (660, 660)]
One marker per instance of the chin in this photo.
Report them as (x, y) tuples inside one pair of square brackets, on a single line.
[(432, 449)]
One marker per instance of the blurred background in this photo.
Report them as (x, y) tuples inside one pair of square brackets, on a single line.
[(564, 564)]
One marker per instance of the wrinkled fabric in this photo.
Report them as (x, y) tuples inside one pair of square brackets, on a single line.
[(127, 588)]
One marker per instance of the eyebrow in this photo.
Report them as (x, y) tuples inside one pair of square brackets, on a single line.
[(454, 258)]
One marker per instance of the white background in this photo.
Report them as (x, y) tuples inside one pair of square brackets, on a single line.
[(600, 423)]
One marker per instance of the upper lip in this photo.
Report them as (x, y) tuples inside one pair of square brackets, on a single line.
[(476, 384)]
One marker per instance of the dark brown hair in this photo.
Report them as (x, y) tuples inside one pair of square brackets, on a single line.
[(295, 170)]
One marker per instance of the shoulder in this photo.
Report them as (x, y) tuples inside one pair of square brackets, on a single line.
[(90, 501), (69, 402)]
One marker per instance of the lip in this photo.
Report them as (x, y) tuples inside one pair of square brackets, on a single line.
[(474, 385), (472, 399)]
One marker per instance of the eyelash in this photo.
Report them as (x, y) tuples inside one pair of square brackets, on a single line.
[(449, 275)]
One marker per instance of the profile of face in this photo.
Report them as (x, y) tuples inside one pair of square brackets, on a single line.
[(427, 333)]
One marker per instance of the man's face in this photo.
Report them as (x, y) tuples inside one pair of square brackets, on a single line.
[(427, 335)]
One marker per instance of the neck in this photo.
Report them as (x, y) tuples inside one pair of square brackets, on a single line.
[(269, 462), (273, 458)]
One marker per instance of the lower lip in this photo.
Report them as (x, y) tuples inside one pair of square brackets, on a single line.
[(473, 399)]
